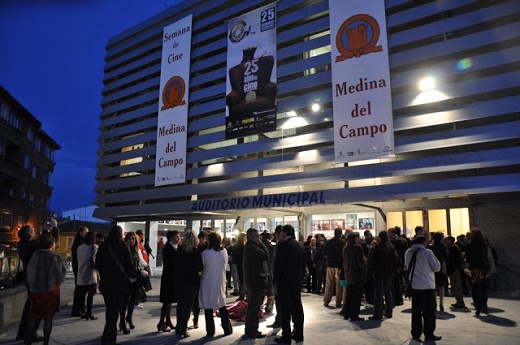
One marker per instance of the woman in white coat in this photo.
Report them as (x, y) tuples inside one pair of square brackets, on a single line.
[(87, 277), (212, 293)]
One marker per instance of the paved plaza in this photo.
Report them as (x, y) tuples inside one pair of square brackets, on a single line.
[(323, 326)]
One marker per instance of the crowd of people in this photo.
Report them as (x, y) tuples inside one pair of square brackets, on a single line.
[(381, 269), (266, 271)]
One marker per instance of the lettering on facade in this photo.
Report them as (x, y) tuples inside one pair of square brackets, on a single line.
[(260, 201)]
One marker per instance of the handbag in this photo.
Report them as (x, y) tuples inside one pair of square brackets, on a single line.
[(144, 280), (408, 291), (116, 260)]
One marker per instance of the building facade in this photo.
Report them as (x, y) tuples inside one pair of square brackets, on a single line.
[(26, 166), (457, 149)]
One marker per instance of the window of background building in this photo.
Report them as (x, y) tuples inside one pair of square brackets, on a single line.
[(6, 219), (14, 120), (37, 144), (48, 152), (34, 172), (30, 133), (26, 162), (23, 192), (31, 200)]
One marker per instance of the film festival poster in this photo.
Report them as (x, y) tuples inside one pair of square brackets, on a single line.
[(251, 88)]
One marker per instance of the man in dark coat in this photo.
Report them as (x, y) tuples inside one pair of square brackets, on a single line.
[(289, 271), (355, 266), (401, 246), (320, 263), (256, 279), (382, 259)]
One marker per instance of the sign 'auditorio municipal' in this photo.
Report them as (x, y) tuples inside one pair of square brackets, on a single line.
[(260, 201)]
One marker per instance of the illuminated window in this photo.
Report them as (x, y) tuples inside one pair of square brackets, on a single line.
[(437, 221), (131, 160), (315, 52), (459, 221)]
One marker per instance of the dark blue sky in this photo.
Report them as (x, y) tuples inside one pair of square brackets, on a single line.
[(51, 60)]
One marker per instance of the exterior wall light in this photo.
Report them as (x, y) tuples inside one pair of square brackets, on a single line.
[(426, 84), (315, 106), (292, 113)]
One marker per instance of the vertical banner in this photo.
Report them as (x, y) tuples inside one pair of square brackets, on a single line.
[(361, 93), (251, 80), (172, 126)]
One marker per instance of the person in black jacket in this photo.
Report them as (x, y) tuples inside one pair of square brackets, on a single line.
[(289, 271), (188, 264), (382, 259), (77, 308), (114, 263), (26, 248), (256, 279), (167, 293)]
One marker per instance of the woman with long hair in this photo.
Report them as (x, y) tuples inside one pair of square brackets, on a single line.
[(127, 309), (477, 259), (45, 274), (115, 265), (167, 294), (188, 264), (212, 293), (87, 275)]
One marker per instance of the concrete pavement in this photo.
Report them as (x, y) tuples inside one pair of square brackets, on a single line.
[(323, 326)]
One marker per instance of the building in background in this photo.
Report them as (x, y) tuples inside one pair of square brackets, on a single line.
[(454, 83), (82, 213), (26, 166)]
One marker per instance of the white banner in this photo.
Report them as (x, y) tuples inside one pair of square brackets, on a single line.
[(251, 81), (361, 93), (172, 126)]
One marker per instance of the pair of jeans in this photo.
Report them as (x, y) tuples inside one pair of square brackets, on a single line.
[(224, 319), (383, 289), (353, 301), (292, 309), (254, 302), (423, 313), (185, 297)]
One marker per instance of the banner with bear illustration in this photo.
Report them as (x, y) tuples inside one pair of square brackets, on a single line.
[(251, 88), (172, 123), (361, 92)]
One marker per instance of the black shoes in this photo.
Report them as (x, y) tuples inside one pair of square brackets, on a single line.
[(376, 318), (432, 338), (256, 335), (282, 340), (92, 317), (274, 325), (458, 306), (296, 338), (357, 319)]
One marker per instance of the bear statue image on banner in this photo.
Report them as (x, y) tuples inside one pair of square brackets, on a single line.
[(251, 88)]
